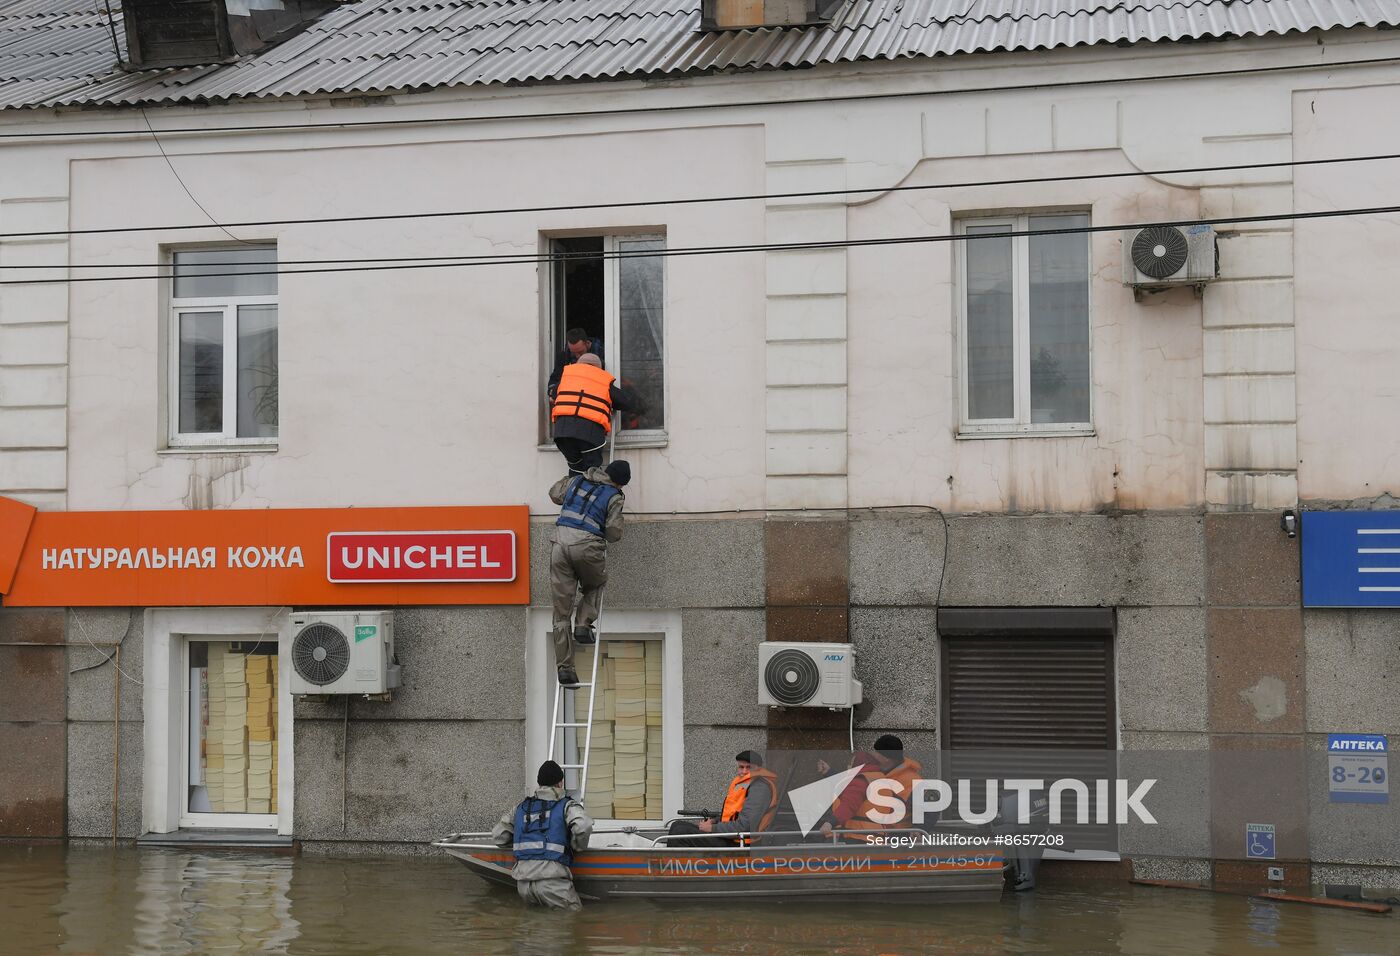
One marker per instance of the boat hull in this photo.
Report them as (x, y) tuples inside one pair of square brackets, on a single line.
[(806, 873)]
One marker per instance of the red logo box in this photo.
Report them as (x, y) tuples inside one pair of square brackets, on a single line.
[(392, 557)]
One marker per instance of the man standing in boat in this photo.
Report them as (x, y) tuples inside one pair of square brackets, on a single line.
[(545, 831)]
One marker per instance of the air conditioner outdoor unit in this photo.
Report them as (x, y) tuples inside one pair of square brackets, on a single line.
[(1162, 257), (343, 652), (807, 675)]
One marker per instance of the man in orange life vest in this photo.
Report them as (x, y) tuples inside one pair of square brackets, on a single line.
[(890, 764), (749, 806), (582, 412)]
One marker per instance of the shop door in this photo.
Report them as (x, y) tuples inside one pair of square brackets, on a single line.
[(229, 744)]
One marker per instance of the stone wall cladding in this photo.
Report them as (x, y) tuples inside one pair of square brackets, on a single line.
[(91, 783), (406, 781), (447, 753)]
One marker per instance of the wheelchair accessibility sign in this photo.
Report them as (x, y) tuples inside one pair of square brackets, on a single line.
[(1259, 841)]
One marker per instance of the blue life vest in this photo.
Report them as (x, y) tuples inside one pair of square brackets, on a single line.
[(542, 831), (586, 505)]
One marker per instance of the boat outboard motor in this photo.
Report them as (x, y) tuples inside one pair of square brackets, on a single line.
[(1024, 860)]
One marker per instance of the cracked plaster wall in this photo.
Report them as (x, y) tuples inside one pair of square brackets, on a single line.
[(441, 367), (420, 387), (33, 328), (1347, 343)]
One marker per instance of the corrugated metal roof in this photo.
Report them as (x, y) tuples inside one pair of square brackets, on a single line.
[(61, 52)]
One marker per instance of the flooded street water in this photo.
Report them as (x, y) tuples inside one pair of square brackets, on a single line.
[(56, 899)]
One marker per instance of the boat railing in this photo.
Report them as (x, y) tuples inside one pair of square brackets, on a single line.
[(764, 836)]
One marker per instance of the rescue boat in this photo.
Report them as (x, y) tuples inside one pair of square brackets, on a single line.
[(648, 868)]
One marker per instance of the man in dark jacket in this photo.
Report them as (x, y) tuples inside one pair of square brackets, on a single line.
[(590, 516), (545, 830), (577, 343)]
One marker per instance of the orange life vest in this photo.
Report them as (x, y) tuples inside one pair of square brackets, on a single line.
[(585, 391), (860, 820), (905, 774), (739, 792)]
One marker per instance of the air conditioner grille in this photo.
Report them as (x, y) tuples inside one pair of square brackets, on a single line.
[(1159, 251), (791, 677), (320, 653)]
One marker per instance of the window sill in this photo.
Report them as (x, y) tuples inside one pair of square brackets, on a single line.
[(223, 448), (1067, 431), (649, 440)]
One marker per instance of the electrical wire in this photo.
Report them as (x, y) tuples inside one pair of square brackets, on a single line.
[(681, 107), (424, 262), (112, 29), (166, 156), (108, 658), (700, 200)]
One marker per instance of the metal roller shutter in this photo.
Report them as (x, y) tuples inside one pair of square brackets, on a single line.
[(1048, 698)]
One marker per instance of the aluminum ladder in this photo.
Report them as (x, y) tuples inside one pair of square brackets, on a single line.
[(565, 718), (564, 714)]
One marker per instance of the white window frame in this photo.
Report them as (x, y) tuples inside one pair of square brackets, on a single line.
[(1019, 424), (211, 820), (165, 728), (612, 322), (541, 680), (228, 305)]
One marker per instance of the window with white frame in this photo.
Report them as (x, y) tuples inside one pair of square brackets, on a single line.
[(624, 751), (1023, 324), (635, 739), (611, 289), (223, 346)]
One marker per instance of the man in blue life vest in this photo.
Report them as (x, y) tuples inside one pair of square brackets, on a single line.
[(590, 516), (545, 831)]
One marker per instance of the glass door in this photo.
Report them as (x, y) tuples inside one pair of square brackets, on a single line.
[(229, 744)]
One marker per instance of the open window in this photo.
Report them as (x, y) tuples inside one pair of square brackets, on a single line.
[(613, 288)]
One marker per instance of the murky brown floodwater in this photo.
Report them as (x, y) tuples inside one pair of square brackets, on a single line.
[(92, 900)]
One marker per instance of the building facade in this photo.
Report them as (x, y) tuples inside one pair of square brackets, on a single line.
[(847, 432)]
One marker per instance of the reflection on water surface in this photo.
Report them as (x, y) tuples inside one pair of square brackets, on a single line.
[(56, 899)]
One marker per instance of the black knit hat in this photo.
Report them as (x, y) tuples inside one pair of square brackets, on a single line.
[(889, 745), (750, 756), (620, 472), (550, 775)]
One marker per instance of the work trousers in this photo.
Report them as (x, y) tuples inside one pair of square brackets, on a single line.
[(558, 893), (580, 453), (577, 565), (679, 827)]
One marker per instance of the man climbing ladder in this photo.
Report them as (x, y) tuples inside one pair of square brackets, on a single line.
[(590, 516)]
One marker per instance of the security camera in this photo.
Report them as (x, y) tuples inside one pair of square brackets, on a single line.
[(1289, 523)]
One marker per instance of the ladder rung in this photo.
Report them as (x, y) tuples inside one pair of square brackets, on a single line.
[(571, 766), (571, 724), (579, 685)]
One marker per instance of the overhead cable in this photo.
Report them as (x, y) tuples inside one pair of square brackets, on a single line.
[(697, 200), (422, 262)]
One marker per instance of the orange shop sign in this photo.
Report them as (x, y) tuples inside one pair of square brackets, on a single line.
[(322, 556)]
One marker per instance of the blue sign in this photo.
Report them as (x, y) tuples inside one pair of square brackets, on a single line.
[(1358, 768), (1351, 558), (1259, 841)]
